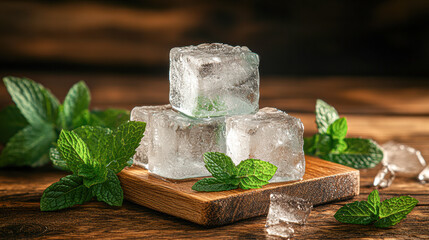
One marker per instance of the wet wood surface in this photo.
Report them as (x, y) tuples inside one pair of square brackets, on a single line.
[(381, 108)]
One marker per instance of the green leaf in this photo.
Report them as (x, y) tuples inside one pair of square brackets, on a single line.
[(11, 122), (393, 210), (255, 173), (29, 147), (76, 102), (356, 213), (374, 202), (84, 118), (69, 191), (61, 120), (110, 118), (74, 150), (126, 139), (360, 153), (36, 103), (109, 191), (212, 185), (220, 165), (338, 146), (338, 129), (97, 140), (310, 145), (325, 115), (57, 160)]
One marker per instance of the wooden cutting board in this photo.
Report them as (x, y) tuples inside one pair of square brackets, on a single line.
[(323, 182)]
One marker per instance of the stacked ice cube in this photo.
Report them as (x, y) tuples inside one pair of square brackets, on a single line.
[(214, 96)]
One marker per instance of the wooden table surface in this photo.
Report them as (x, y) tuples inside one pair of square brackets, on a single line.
[(380, 108)]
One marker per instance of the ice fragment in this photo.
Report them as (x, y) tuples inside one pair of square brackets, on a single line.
[(286, 213)]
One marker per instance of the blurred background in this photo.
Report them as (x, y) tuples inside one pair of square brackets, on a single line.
[(293, 38)]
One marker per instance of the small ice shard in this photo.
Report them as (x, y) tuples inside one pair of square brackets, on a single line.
[(424, 175), (402, 159), (179, 142), (269, 135), (144, 114), (286, 213), (384, 177), (214, 79)]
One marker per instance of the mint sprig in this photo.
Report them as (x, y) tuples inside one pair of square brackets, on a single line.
[(383, 214), (331, 143), (95, 155), (249, 174), (31, 126)]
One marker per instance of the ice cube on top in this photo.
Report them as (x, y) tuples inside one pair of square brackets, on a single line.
[(179, 142), (403, 159), (214, 80), (144, 114), (269, 135)]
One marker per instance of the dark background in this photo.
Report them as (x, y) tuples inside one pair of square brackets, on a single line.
[(293, 38)]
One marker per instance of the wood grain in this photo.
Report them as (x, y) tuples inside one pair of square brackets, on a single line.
[(377, 102), (323, 182)]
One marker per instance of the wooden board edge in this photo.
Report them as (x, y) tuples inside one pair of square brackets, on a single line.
[(219, 211)]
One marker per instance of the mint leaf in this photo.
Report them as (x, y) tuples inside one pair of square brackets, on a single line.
[(338, 146), (78, 158), (68, 192), (110, 118), (109, 191), (29, 147), (74, 150), (393, 210), (97, 140), (255, 173), (76, 102), (126, 138), (11, 122), (57, 160), (212, 185), (338, 129), (374, 202), (310, 145), (36, 103), (220, 165), (356, 213), (84, 118), (360, 153), (325, 115), (92, 174)]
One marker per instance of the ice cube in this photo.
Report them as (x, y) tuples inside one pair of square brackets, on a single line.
[(179, 142), (402, 159), (214, 80), (269, 135), (286, 213), (144, 114), (384, 177)]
